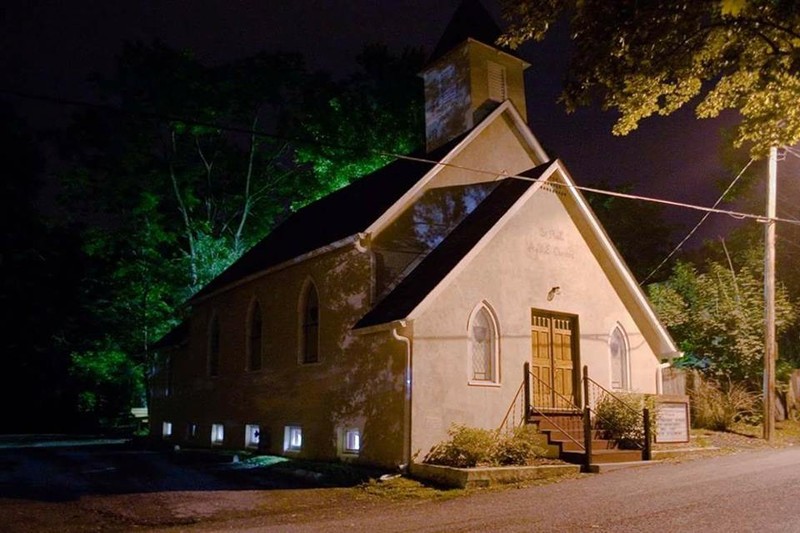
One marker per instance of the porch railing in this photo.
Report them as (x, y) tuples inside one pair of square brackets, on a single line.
[(567, 426), (637, 434)]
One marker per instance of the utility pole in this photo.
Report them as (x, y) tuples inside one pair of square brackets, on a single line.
[(769, 299)]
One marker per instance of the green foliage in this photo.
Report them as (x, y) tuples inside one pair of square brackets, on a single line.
[(718, 407), (356, 124), (110, 383), (519, 447), (173, 189), (717, 316), (652, 58), (621, 418), (468, 447)]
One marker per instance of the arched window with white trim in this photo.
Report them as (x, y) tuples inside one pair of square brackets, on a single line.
[(620, 359), (254, 337), (483, 346), (309, 320)]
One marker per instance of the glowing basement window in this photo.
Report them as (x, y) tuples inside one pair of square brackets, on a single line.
[(292, 439), (217, 433), (166, 429), (352, 441), (252, 435)]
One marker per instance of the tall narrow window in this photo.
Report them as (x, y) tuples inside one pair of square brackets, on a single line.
[(497, 82), (309, 342), (483, 346), (618, 348), (254, 338), (213, 347)]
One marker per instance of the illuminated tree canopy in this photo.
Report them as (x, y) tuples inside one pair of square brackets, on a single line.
[(653, 57)]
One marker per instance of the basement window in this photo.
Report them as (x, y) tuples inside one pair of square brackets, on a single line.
[(166, 429), (217, 433), (252, 435), (292, 439), (351, 443)]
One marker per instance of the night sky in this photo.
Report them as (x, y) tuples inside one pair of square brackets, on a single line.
[(51, 47)]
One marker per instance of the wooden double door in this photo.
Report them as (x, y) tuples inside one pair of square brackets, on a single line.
[(554, 360)]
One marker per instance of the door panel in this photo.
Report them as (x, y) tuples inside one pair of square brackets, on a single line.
[(553, 360)]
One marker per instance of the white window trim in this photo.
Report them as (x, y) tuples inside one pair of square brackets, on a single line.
[(495, 381), (626, 362)]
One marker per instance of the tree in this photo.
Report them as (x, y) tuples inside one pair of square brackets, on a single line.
[(642, 58), (167, 194), (717, 316), (353, 125)]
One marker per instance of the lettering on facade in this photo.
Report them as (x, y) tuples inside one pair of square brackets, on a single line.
[(550, 242), (672, 421)]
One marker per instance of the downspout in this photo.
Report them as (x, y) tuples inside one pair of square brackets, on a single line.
[(660, 377), (407, 396)]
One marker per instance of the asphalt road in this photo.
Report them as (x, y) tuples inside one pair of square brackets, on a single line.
[(753, 491), (106, 487)]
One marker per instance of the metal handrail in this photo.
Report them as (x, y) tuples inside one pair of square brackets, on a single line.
[(608, 392), (568, 401), (645, 444), (510, 411)]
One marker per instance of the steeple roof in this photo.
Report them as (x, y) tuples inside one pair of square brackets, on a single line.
[(471, 20)]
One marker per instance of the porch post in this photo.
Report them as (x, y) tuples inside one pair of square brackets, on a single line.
[(647, 451), (526, 379)]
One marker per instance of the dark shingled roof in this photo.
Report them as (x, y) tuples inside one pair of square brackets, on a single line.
[(441, 260), (339, 215), (471, 20)]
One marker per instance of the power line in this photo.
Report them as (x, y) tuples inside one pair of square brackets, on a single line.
[(694, 229), (285, 138)]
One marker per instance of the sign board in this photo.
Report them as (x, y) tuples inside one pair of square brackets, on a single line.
[(672, 421)]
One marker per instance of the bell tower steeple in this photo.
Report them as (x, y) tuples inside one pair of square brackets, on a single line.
[(468, 75)]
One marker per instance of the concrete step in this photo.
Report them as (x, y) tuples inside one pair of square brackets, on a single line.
[(602, 456), (599, 468)]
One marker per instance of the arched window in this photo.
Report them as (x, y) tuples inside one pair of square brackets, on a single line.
[(618, 348), (309, 319), (213, 346), (483, 346), (254, 340)]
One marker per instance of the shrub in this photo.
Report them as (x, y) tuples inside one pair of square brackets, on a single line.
[(624, 424), (520, 447), (467, 447), (718, 407)]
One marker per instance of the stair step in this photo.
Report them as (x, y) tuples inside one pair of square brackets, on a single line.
[(599, 468), (601, 456)]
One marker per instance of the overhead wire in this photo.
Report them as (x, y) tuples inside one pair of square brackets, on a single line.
[(285, 138), (699, 223)]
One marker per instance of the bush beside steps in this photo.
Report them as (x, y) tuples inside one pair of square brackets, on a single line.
[(474, 457)]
